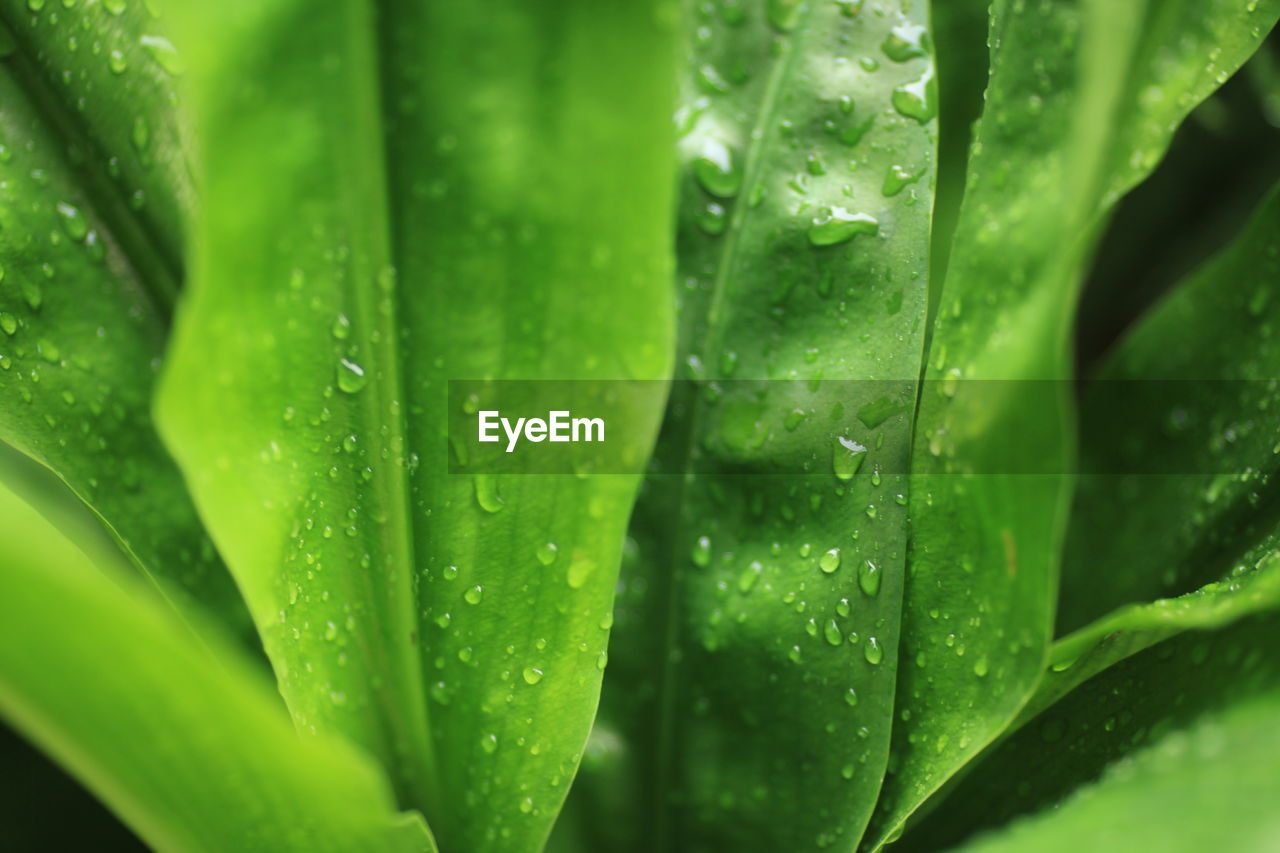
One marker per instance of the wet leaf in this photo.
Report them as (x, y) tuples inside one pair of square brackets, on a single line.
[(387, 207), (88, 276), (750, 692), (1082, 101)]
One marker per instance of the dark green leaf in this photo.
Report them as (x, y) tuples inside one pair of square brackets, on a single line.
[(86, 278), (1082, 101), (1191, 441), (755, 645)]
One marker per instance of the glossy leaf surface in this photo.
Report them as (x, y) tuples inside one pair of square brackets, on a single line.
[(1069, 115), (756, 640), (87, 277), (388, 206), (1188, 394)]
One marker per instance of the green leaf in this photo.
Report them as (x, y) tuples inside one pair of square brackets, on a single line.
[(750, 694), (1209, 785), (515, 227), (182, 738), (86, 279), (1191, 442), (1101, 720), (1123, 427), (103, 77), (1082, 100)]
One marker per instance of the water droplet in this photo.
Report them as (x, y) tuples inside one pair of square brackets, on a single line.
[(546, 553), (8, 323), (341, 328), (784, 15), (832, 633), (897, 179), (351, 376), (917, 100), (163, 52), (869, 578), (872, 651), (73, 221), (35, 5), (980, 667), (48, 350), (908, 41), (716, 169), (602, 660), (847, 457), (450, 572), (847, 771), (532, 675), (750, 575), (710, 81), (473, 595), (830, 561), (712, 219), (117, 62), (141, 134), (851, 697), (701, 554), (489, 743), (487, 493), (839, 225)]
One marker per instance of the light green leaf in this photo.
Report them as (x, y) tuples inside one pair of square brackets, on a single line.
[(755, 647), (1211, 785), (87, 277), (516, 226), (182, 738), (1082, 101)]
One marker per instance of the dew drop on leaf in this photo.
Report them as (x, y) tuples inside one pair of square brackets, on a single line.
[(546, 553), (163, 52), (701, 554), (830, 561), (905, 42), (532, 675), (917, 100), (784, 15), (716, 169), (73, 221), (351, 376), (847, 457), (839, 225), (869, 578)]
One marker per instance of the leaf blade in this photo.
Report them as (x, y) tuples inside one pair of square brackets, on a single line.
[(237, 779)]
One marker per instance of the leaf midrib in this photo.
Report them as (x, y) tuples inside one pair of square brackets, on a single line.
[(758, 139)]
